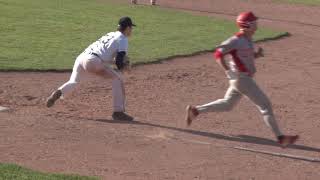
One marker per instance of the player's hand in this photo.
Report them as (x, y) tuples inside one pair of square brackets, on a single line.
[(259, 53)]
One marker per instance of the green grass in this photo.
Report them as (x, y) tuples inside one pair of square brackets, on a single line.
[(14, 172), (49, 34), (306, 2)]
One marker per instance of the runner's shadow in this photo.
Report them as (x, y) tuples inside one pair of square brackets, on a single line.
[(115, 122), (239, 138)]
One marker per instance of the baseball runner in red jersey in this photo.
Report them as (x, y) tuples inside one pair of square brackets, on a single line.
[(98, 59), (240, 70)]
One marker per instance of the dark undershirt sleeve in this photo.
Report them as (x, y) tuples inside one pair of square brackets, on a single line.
[(120, 59)]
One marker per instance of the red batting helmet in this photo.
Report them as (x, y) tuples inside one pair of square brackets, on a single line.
[(245, 19)]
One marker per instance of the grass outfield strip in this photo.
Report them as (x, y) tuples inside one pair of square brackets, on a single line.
[(14, 172), (306, 2), (49, 34)]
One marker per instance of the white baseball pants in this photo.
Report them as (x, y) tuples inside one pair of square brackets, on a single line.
[(244, 85), (94, 65)]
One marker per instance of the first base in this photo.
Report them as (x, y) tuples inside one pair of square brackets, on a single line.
[(4, 109)]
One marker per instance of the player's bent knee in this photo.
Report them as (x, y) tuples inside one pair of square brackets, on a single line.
[(72, 84), (230, 104), (226, 105)]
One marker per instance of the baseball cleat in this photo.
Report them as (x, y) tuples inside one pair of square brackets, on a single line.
[(54, 96), (121, 116), (191, 114), (285, 141)]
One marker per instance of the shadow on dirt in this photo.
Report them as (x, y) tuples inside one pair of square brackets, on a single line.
[(239, 138)]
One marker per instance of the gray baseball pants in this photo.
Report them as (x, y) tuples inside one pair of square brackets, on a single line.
[(244, 86)]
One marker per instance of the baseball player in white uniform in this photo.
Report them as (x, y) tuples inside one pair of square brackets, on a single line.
[(240, 70), (98, 59)]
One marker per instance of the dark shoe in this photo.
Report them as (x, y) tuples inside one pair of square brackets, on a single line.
[(285, 141), (121, 116), (191, 114), (54, 96)]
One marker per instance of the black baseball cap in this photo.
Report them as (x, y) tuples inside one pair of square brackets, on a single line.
[(126, 22)]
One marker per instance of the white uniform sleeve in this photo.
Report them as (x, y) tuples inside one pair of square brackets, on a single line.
[(123, 45)]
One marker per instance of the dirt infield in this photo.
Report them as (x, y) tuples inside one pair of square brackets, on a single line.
[(77, 135)]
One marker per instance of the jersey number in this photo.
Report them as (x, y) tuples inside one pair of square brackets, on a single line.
[(105, 40)]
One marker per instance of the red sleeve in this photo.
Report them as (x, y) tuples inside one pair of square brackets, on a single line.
[(218, 54)]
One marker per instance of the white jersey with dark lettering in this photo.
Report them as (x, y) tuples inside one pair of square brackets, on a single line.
[(241, 50), (107, 47)]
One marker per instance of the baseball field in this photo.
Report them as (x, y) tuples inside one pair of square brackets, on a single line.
[(305, 2), (172, 50), (53, 33)]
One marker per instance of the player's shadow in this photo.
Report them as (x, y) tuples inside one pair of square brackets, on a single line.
[(239, 138)]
